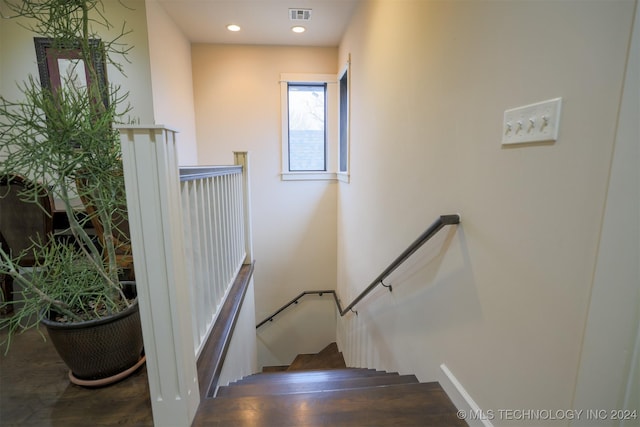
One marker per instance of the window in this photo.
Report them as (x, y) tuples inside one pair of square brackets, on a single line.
[(309, 126)]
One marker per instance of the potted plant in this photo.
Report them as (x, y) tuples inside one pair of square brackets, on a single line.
[(61, 135)]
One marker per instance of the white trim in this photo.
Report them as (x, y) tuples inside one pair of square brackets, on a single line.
[(344, 177), (331, 154), (346, 70), (463, 400), (307, 78), (145, 127), (152, 181), (309, 176)]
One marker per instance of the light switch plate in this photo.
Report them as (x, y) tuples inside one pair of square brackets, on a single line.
[(537, 122)]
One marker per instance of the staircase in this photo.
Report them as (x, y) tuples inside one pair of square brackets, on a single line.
[(319, 390)]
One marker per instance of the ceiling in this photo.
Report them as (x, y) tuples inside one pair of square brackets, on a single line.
[(262, 21)]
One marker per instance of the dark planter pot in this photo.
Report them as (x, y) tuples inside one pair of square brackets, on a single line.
[(99, 349)]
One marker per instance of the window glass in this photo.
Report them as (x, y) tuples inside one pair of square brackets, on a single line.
[(344, 123), (307, 127)]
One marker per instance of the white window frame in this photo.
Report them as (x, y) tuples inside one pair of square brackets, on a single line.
[(331, 123), (346, 71)]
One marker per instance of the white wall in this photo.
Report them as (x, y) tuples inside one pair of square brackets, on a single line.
[(18, 57), (303, 328), (614, 314), (164, 96), (172, 81), (502, 300), (237, 104)]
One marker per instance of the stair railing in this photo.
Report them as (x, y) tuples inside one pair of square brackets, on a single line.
[(213, 223), (437, 225), (180, 228)]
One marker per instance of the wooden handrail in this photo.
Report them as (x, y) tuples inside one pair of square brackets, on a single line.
[(437, 225), (214, 352)]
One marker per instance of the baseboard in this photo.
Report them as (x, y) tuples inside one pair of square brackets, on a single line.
[(468, 409)]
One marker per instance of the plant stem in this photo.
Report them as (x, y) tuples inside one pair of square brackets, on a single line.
[(60, 306)]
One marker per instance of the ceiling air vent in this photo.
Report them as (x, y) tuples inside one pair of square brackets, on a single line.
[(300, 14)]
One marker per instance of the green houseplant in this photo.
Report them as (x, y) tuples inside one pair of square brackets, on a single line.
[(61, 134)]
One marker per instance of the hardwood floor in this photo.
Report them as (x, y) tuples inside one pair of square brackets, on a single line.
[(35, 391), (317, 390)]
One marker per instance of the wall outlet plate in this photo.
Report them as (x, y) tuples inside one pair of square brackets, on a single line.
[(537, 122)]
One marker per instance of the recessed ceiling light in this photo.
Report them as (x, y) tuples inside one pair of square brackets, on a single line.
[(233, 27), (298, 29)]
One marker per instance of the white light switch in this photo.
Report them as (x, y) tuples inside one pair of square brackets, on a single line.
[(537, 122)]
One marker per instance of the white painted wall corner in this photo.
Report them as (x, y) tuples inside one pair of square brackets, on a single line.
[(468, 409)]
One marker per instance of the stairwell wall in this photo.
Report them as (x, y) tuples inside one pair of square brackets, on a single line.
[(614, 312), (172, 80), (237, 104), (503, 299)]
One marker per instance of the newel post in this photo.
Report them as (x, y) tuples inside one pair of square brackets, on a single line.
[(155, 216), (242, 158)]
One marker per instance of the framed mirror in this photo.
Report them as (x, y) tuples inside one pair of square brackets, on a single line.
[(60, 66)]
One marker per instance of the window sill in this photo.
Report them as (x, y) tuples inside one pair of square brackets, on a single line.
[(309, 176), (343, 177)]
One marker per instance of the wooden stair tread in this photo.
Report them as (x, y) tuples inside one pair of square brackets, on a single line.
[(319, 390), (421, 404), (314, 375), (276, 368), (328, 357), (259, 389), (301, 361)]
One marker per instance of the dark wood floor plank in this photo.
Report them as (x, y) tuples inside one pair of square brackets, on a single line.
[(35, 391)]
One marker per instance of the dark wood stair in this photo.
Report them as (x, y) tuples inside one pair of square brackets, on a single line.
[(314, 384), (329, 358), (328, 394)]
